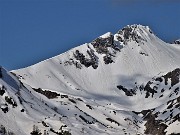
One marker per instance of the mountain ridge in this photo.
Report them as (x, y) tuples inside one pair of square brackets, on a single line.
[(138, 27), (98, 88)]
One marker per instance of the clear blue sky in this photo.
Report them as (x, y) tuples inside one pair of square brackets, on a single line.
[(34, 30)]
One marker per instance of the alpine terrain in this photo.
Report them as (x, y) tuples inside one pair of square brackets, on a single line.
[(122, 84)]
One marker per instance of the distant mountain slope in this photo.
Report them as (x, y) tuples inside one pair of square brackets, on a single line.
[(126, 83)]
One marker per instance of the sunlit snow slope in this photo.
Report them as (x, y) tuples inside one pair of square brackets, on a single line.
[(126, 83)]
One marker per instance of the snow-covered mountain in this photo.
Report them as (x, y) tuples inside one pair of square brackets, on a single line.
[(126, 83)]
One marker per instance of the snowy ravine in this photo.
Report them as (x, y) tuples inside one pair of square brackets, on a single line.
[(126, 83)]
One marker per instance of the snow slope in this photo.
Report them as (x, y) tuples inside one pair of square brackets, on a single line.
[(126, 83)]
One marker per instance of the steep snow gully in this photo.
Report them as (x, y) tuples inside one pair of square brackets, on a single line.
[(126, 83)]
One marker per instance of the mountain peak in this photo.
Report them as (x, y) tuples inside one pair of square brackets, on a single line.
[(138, 27), (137, 33)]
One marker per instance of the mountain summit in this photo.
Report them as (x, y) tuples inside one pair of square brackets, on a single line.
[(137, 33), (126, 83)]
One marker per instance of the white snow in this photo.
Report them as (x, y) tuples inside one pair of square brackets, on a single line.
[(135, 64), (106, 35)]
